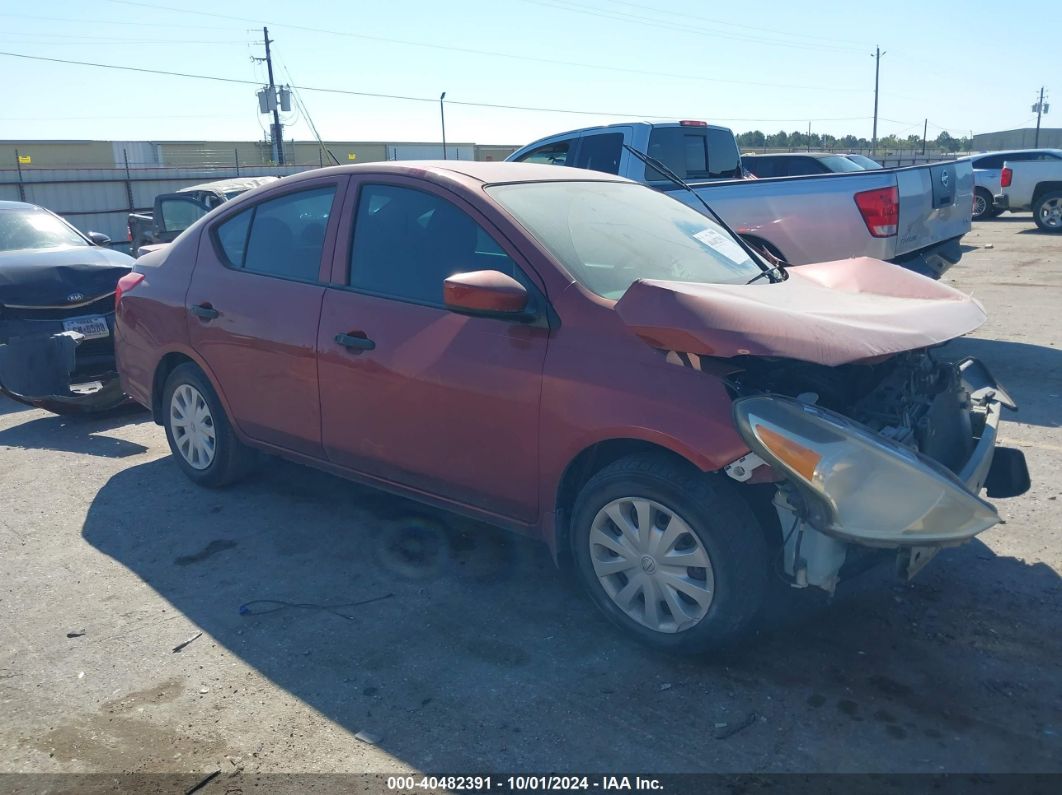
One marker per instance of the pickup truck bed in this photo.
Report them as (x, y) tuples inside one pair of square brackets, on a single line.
[(913, 216)]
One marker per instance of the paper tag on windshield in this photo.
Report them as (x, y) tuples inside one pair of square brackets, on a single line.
[(723, 244)]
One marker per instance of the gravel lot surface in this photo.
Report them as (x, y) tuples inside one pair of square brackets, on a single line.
[(482, 658)]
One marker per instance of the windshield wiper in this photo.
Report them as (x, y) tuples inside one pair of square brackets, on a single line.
[(679, 182), (772, 269)]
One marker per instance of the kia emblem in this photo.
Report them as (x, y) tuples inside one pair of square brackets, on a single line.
[(73, 298)]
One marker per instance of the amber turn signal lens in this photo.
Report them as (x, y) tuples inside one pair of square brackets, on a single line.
[(797, 457)]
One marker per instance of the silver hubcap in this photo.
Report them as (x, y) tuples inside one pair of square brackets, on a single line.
[(192, 426), (1051, 213), (979, 205), (651, 564)]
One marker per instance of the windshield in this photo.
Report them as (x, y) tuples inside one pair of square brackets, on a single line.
[(22, 229), (839, 164), (865, 162), (611, 234)]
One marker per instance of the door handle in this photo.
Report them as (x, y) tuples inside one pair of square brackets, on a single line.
[(205, 311), (359, 343)]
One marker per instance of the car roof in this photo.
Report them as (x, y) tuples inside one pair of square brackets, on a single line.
[(12, 205), (793, 154), (487, 172), (229, 185)]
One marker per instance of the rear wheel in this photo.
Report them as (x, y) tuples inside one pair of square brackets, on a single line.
[(199, 433), (982, 205), (671, 555), (1047, 212)]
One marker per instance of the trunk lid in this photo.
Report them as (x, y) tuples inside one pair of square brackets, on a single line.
[(830, 313), (936, 204)]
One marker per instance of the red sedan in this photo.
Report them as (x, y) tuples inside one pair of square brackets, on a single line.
[(576, 357)]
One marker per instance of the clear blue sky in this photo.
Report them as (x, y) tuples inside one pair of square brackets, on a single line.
[(968, 67)]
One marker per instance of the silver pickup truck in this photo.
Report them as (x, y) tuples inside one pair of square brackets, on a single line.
[(1033, 185), (913, 216)]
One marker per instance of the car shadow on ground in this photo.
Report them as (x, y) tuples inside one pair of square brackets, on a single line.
[(1032, 374), (476, 654), (78, 433)]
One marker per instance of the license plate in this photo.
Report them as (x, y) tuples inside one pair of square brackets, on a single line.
[(93, 328)]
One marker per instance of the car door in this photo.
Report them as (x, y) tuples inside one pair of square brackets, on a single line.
[(412, 393), (254, 304), (175, 212)]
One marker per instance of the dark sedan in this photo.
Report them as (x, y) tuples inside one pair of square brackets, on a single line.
[(57, 312)]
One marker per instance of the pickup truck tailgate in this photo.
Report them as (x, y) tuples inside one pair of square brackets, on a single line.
[(935, 204)]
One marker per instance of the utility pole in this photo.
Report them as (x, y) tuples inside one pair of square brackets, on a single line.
[(809, 136), (877, 69), (925, 130), (1040, 109), (442, 118), (278, 138)]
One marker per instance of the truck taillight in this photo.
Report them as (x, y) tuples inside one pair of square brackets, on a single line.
[(125, 284), (1006, 176), (129, 232), (880, 209)]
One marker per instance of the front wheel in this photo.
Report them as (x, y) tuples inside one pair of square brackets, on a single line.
[(672, 555), (1047, 212), (200, 435)]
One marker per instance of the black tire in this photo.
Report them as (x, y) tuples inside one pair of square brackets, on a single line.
[(769, 251), (723, 523), (1054, 197), (983, 209), (232, 459)]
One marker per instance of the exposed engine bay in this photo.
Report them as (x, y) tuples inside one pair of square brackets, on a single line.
[(927, 428), (911, 398)]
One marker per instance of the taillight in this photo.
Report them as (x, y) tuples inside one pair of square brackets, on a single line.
[(125, 284), (129, 232), (880, 210), (692, 123), (1006, 176)]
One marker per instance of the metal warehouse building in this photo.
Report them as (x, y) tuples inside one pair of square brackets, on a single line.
[(197, 154), (1050, 138)]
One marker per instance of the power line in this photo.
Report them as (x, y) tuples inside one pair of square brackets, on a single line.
[(406, 98), (492, 53), (732, 24), (568, 5)]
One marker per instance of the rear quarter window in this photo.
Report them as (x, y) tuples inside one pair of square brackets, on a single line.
[(694, 153)]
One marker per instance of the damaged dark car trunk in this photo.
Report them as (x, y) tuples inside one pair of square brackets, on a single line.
[(57, 290)]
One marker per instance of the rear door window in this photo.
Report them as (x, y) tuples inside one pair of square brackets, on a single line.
[(761, 166), (600, 152), (281, 237), (553, 154)]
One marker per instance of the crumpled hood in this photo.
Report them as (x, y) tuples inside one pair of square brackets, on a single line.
[(48, 277), (830, 313)]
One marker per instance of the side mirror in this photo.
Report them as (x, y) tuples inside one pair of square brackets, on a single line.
[(99, 238), (489, 293)]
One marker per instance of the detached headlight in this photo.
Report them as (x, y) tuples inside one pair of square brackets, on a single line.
[(861, 485)]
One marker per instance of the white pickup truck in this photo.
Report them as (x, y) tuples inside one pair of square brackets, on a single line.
[(1033, 185), (913, 216)]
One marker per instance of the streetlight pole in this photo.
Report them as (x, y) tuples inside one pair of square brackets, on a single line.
[(877, 69), (442, 118)]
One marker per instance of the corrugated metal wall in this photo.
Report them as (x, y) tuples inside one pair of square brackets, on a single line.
[(99, 200)]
